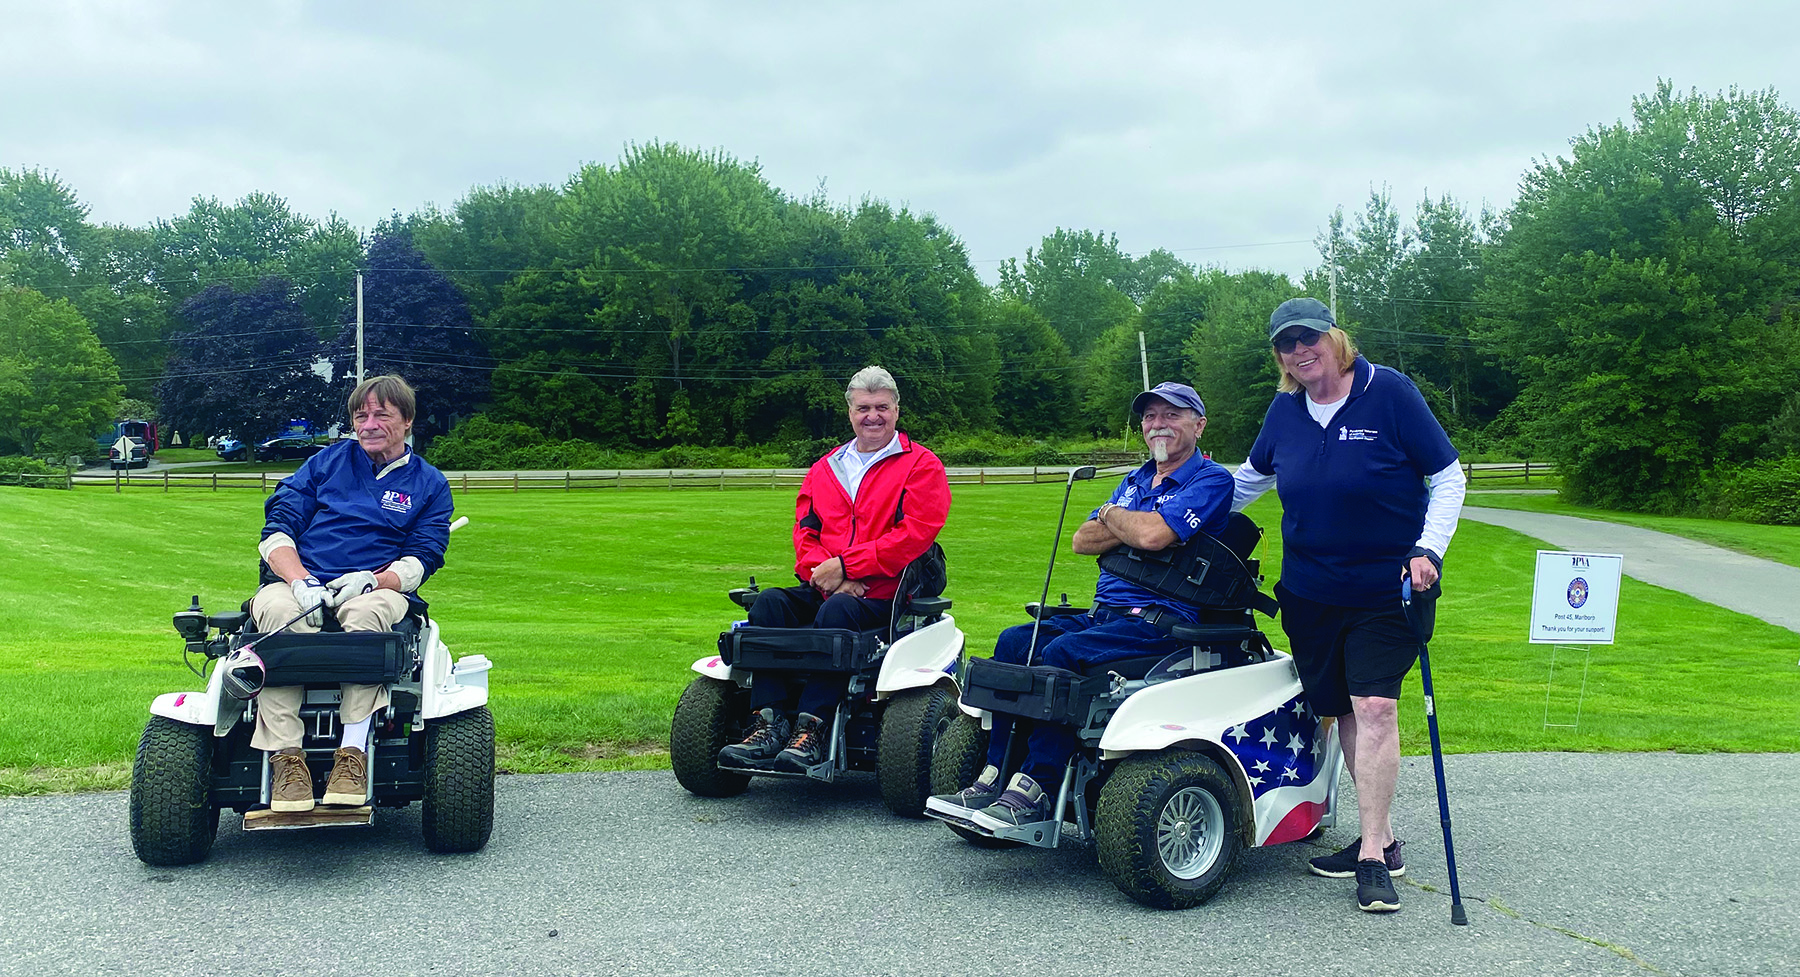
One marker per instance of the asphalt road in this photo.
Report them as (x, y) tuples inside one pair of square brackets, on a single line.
[(1593, 864)]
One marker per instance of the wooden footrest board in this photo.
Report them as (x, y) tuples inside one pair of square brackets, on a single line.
[(319, 817)]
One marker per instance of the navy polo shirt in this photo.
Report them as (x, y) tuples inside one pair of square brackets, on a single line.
[(342, 518), (1352, 495), (1195, 498)]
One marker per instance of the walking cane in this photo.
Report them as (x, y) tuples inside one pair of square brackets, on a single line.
[(1458, 916)]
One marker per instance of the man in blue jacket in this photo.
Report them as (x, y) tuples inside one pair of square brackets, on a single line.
[(371, 519)]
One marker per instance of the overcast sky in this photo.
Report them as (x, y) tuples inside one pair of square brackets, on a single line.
[(1226, 133)]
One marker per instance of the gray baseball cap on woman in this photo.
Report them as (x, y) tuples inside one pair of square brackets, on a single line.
[(1310, 313)]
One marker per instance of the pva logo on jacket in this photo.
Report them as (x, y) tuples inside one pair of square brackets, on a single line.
[(1356, 434), (396, 501)]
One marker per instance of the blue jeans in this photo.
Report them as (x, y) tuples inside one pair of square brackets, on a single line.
[(1069, 641)]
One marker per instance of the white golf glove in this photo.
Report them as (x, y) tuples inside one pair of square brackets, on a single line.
[(350, 585), (311, 595)]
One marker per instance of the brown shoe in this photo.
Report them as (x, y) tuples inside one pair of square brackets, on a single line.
[(349, 783), (290, 782)]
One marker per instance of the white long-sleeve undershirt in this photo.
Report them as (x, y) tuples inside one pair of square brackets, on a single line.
[(1445, 491)]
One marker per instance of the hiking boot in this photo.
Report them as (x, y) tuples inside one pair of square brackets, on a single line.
[(768, 733), (1374, 888), (1341, 864), (1023, 802), (349, 783), (290, 782), (984, 791), (807, 747)]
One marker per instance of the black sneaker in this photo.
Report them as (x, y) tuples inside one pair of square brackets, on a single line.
[(1374, 888), (1023, 802), (984, 791), (768, 734), (1341, 864), (806, 748)]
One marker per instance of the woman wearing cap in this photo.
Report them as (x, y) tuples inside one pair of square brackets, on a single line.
[(1370, 490)]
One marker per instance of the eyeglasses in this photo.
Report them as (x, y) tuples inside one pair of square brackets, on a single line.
[(1301, 336)]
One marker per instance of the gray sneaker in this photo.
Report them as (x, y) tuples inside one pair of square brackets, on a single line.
[(767, 734), (1023, 802), (1341, 864), (984, 791), (1374, 889)]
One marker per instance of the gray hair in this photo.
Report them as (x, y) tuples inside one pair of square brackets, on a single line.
[(872, 378)]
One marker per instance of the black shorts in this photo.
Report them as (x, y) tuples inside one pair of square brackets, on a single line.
[(1346, 651)]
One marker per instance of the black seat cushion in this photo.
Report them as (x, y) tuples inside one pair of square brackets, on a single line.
[(1133, 668)]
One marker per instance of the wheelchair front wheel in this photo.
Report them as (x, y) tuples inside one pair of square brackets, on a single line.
[(1169, 828), (711, 715)]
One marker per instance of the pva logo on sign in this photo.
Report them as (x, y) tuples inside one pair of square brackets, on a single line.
[(1578, 591), (1578, 562)]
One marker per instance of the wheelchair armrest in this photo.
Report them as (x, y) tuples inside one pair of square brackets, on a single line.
[(744, 596), (927, 606), (229, 622), (1041, 612)]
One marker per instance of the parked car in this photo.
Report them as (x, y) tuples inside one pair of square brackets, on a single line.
[(286, 449), (231, 449)]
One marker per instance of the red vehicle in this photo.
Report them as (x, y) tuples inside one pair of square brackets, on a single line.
[(133, 442)]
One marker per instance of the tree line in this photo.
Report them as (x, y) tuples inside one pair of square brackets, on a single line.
[(1627, 316)]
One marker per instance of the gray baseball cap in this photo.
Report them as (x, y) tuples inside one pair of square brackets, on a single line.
[(1179, 394), (1310, 313)]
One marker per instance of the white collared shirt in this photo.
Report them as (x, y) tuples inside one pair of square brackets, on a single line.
[(850, 465)]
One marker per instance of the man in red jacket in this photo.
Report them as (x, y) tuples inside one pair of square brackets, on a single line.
[(866, 510)]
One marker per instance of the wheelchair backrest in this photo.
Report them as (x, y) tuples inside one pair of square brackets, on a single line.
[(1205, 571)]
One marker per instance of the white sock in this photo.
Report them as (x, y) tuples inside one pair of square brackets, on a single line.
[(357, 734)]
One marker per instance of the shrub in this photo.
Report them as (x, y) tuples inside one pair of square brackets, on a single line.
[(14, 469), (1766, 492)]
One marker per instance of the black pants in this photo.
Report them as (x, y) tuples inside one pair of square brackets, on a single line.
[(804, 607)]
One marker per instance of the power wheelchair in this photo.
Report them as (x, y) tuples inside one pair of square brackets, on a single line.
[(1183, 760)]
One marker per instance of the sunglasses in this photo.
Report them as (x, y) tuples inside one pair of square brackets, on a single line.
[(1302, 336)]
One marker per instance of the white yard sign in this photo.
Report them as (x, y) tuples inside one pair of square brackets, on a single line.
[(1575, 599)]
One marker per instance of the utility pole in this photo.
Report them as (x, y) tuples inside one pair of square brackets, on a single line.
[(359, 329), (1333, 274), (1143, 360)]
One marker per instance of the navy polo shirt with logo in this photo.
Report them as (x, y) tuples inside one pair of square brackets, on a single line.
[(342, 518), (1194, 498), (1353, 495)]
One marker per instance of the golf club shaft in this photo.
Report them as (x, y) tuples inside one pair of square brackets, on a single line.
[(1055, 543)]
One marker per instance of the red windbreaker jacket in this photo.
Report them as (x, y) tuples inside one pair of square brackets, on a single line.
[(899, 509)]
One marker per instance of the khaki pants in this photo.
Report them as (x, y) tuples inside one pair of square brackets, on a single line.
[(278, 709)]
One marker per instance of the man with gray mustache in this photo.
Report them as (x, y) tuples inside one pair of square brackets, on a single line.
[(1163, 503)]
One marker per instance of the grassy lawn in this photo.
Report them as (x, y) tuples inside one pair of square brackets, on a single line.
[(593, 605), (1778, 543)]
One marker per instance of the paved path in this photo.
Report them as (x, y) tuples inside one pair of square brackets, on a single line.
[(1571, 863), (1749, 585)]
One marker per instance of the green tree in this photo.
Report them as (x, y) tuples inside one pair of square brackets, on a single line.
[(1640, 291), (57, 383), (1078, 280), (489, 238), (1034, 388), (1227, 355)]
